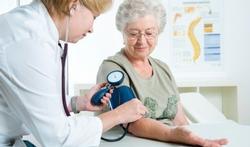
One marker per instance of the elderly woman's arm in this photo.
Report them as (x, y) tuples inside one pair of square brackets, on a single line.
[(180, 118), (153, 129)]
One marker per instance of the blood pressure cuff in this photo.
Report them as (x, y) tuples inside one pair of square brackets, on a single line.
[(121, 95)]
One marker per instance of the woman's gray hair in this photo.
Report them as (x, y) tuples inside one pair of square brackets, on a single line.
[(131, 10)]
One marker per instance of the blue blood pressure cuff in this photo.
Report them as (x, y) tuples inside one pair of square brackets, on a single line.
[(120, 95)]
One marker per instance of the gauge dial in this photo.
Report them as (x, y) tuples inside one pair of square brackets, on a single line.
[(115, 77)]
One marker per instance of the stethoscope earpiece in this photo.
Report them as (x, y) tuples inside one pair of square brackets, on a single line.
[(72, 9)]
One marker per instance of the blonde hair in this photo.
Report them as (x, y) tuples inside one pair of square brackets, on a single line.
[(61, 7)]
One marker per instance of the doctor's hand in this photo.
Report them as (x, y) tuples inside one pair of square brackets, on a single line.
[(84, 104), (125, 113), (131, 111)]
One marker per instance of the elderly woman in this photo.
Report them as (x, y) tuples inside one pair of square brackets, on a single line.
[(140, 22)]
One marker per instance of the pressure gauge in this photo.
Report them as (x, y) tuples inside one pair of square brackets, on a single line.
[(115, 77)]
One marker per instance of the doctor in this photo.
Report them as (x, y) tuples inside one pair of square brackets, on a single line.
[(32, 97)]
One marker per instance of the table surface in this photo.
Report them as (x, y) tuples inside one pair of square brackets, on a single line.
[(238, 136)]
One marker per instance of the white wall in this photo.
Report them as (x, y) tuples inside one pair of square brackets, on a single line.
[(88, 53), (237, 51)]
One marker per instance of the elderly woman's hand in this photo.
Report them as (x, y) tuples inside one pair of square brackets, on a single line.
[(84, 102), (183, 135)]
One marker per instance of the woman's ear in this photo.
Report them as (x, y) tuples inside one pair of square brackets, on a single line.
[(73, 6), (124, 38), (73, 9)]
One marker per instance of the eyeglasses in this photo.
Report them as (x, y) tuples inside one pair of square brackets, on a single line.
[(149, 34)]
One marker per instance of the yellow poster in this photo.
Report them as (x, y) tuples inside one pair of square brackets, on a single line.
[(196, 33)]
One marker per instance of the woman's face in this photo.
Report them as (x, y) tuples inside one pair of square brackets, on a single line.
[(80, 23), (140, 37)]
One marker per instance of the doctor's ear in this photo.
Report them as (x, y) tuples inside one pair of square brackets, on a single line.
[(73, 9)]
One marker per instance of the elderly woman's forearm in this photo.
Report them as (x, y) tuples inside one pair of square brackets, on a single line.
[(149, 128)]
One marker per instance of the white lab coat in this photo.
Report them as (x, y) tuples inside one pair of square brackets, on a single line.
[(30, 84)]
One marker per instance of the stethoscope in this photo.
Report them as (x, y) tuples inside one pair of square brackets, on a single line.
[(64, 61)]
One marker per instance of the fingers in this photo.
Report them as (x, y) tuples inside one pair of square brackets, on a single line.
[(146, 115), (141, 109), (107, 95), (222, 141), (215, 142), (100, 85), (111, 90), (105, 100), (131, 111)]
